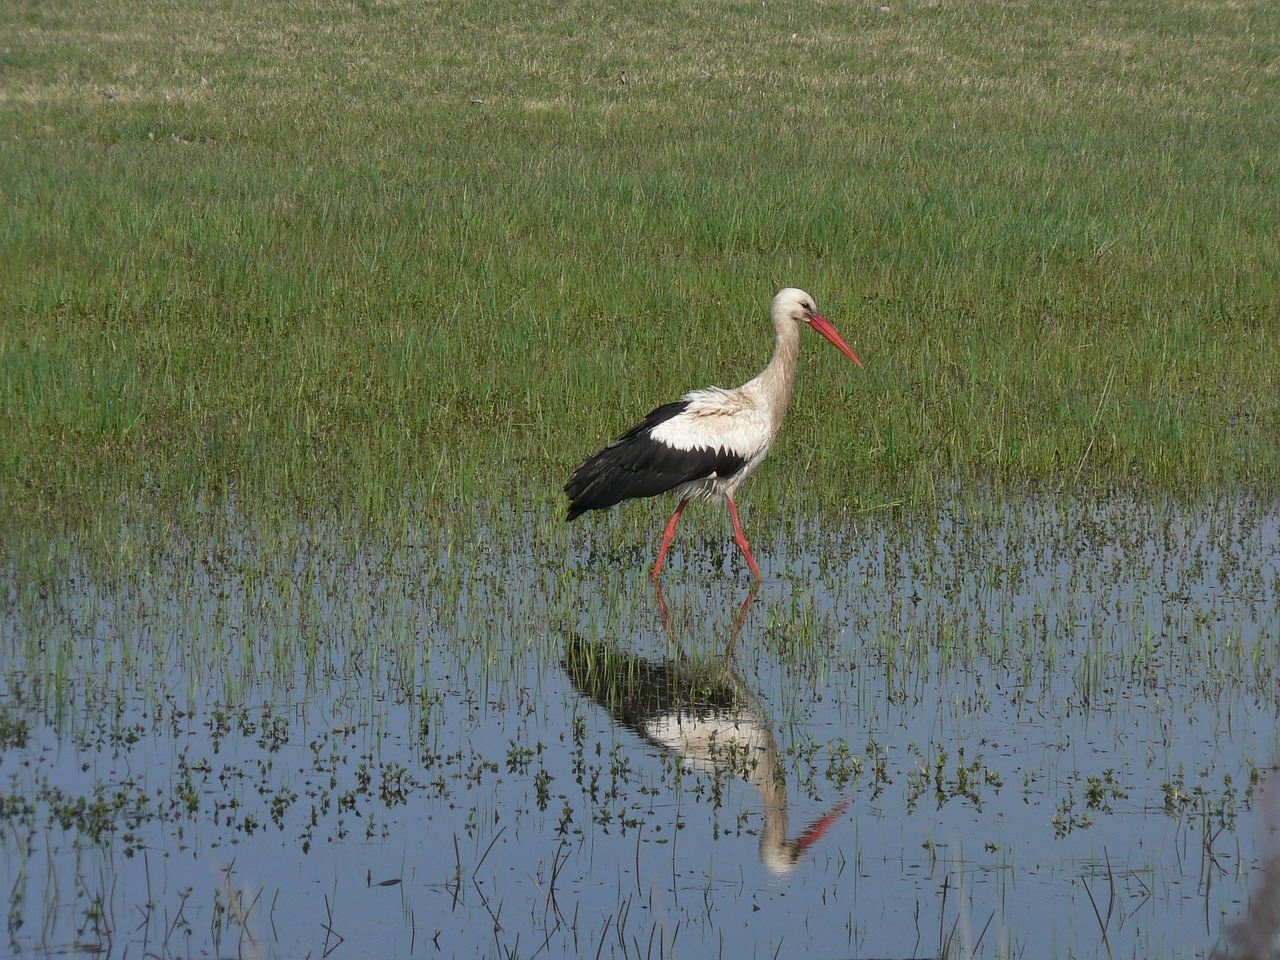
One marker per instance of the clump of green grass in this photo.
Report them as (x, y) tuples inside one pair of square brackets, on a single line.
[(334, 256)]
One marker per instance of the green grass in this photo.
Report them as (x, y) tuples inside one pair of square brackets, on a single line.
[(337, 254)]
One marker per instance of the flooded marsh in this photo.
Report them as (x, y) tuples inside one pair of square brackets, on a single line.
[(1001, 726)]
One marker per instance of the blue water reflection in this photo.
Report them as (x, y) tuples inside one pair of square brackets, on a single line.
[(1028, 727)]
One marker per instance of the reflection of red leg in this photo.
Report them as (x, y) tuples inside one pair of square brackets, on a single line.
[(741, 539), (662, 608), (668, 535), (742, 618)]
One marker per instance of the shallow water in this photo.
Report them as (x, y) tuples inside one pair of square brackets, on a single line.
[(1027, 727)]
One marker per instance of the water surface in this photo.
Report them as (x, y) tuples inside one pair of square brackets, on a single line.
[(1002, 727)]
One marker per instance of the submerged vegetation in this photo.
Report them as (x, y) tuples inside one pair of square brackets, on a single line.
[(336, 255)]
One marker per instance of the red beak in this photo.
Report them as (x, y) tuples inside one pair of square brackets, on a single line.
[(819, 323)]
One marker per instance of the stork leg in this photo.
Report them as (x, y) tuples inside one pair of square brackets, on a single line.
[(741, 538), (668, 535)]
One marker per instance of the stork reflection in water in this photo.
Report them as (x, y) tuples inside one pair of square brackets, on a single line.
[(701, 711)]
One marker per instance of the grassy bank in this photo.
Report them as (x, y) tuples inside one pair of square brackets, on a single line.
[(338, 253)]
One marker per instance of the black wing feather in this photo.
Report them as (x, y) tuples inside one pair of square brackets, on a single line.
[(635, 465)]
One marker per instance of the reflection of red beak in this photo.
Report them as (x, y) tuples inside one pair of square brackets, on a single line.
[(819, 323), (813, 833)]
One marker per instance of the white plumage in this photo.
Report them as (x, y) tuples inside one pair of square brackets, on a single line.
[(708, 442), (716, 419)]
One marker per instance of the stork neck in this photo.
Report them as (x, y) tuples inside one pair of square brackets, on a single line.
[(777, 379), (770, 782)]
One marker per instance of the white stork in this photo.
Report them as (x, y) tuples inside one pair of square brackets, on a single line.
[(707, 442)]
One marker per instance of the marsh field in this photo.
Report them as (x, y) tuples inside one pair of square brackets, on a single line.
[(307, 311)]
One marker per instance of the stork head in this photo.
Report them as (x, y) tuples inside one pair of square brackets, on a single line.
[(796, 305)]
